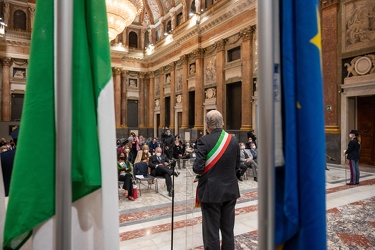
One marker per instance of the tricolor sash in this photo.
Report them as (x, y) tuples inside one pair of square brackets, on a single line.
[(213, 156)]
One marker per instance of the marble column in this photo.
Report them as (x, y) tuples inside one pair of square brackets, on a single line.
[(220, 76), (141, 101), (162, 99), (5, 100), (173, 94), (199, 80), (6, 13), (117, 90), (151, 103), (247, 77), (185, 93), (124, 99)]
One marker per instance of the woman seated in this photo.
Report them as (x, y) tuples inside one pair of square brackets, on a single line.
[(141, 161), (125, 175)]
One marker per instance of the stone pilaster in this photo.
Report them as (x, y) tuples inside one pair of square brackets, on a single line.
[(173, 93), (141, 106), (331, 64), (151, 103), (247, 76), (117, 90), (162, 99), (32, 15), (185, 93), (5, 100), (199, 79), (220, 76), (124, 99)]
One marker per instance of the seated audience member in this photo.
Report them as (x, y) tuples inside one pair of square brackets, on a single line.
[(246, 159), (251, 135), (254, 152), (141, 162), (178, 152), (127, 152), (152, 146), (159, 165), (188, 150), (125, 175)]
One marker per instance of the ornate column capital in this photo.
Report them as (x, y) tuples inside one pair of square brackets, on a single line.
[(142, 75), (6, 61), (198, 53), (124, 73), (151, 74), (247, 33), (220, 45), (172, 65), (184, 58), (117, 70)]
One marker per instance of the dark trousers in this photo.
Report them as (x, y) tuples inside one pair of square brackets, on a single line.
[(215, 217), (128, 183), (166, 173)]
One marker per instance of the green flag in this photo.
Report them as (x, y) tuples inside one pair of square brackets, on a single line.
[(32, 190)]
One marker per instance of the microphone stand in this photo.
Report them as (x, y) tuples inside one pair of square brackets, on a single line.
[(173, 164)]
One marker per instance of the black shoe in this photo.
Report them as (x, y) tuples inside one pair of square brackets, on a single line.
[(350, 184), (240, 178), (327, 168), (256, 179), (170, 194), (176, 174)]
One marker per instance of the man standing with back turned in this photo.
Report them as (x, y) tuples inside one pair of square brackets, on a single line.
[(218, 159)]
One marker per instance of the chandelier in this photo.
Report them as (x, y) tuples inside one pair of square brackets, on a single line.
[(120, 14)]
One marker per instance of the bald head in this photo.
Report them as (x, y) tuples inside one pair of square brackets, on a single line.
[(214, 119)]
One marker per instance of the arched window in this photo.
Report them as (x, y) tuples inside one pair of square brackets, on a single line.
[(133, 40), (19, 20)]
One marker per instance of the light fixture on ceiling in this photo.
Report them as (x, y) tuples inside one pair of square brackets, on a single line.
[(120, 14)]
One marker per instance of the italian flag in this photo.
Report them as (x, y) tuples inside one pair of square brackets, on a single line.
[(31, 206)]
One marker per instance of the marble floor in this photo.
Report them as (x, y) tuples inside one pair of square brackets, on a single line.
[(146, 222)]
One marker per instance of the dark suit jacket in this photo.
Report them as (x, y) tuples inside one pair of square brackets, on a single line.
[(153, 161), (7, 159), (219, 184), (353, 150)]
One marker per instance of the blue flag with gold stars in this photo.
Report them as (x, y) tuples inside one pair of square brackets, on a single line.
[(300, 184)]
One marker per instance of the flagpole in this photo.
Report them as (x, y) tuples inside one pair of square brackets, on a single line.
[(63, 26), (266, 76)]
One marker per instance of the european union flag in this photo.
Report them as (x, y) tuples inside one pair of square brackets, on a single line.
[(300, 184)]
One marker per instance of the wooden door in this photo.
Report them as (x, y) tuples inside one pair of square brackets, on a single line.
[(366, 128)]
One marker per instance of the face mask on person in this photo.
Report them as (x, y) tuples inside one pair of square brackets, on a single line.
[(158, 154), (253, 147), (350, 135), (122, 158), (145, 151), (187, 144), (127, 150), (242, 147), (168, 134)]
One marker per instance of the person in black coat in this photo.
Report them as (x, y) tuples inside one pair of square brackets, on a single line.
[(352, 153), (168, 142), (160, 166), (217, 183), (251, 135)]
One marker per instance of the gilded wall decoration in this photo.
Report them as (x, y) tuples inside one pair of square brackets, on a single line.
[(358, 24), (179, 98)]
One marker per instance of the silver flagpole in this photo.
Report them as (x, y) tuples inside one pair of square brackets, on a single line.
[(63, 26), (266, 77)]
